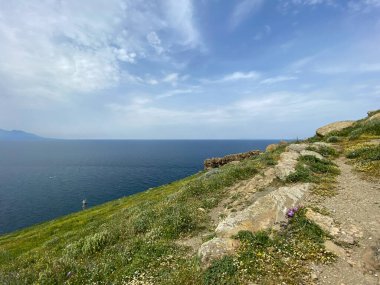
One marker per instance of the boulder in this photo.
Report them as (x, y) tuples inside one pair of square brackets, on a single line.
[(297, 147), (216, 249), (311, 153), (335, 249), (322, 144), (326, 223), (264, 212), (334, 127), (286, 164)]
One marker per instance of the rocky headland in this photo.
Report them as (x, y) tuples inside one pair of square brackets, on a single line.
[(306, 212)]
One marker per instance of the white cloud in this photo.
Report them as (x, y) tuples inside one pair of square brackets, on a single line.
[(243, 10), (155, 42), (302, 62), (65, 47), (241, 75), (175, 92), (363, 5), (171, 78), (348, 68), (180, 17), (277, 79)]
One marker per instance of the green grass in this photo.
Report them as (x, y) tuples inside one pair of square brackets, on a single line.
[(312, 169), (362, 128), (273, 257), (366, 158), (132, 239)]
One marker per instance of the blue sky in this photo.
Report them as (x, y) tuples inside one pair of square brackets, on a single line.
[(182, 69)]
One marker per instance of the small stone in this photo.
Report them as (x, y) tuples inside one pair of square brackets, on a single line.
[(314, 276), (201, 210), (332, 247), (345, 238)]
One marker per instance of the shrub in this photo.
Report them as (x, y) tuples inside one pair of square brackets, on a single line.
[(317, 165), (302, 174), (222, 271), (96, 242), (177, 220), (258, 239), (333, 139)]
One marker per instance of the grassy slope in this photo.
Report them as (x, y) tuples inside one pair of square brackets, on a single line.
[(134, 240)]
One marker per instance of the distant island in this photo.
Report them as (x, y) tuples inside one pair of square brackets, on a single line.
[(18, 135)]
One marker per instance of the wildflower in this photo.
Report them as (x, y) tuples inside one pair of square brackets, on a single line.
[(291, 212)]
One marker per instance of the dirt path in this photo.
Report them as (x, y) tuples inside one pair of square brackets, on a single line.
[(356, 207)]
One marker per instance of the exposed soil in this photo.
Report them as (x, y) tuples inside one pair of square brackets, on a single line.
[(356, 207)]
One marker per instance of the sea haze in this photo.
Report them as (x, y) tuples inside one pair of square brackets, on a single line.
[(42, 180)]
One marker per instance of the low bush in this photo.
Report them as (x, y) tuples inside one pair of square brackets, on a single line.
[(222, 272)]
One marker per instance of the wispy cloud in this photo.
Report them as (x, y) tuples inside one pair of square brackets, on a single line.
[(234, 76), (243, 10), (363, 6), (348, 68), (175, 92), (69, 47), (276, 79)]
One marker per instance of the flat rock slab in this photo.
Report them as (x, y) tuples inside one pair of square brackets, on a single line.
[(311, 153), (264, 212), (216, 249), (334, 127), (286, 164), (297, 147)]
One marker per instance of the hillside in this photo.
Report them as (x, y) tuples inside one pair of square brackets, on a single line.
[(16, 135), (299, 213)]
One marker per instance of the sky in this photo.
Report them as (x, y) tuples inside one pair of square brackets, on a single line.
[(182, 69)]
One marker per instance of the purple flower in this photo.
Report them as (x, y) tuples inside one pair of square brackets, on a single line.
[(291, 212)]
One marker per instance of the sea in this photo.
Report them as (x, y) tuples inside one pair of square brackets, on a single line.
[(43, 180)]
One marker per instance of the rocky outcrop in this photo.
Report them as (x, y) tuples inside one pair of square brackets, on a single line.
[(334, 127), (286, 164), (219, 161), (265, 209), (264, 212)]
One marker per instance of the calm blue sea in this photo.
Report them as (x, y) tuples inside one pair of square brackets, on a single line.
[(42, 180)]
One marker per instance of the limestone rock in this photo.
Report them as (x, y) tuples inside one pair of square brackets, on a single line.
[(297, 147), (264, 212), (216, 249), (321, 144), (325, 222), (335, 249), (334, 127), (311, 153), (286, 164)]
